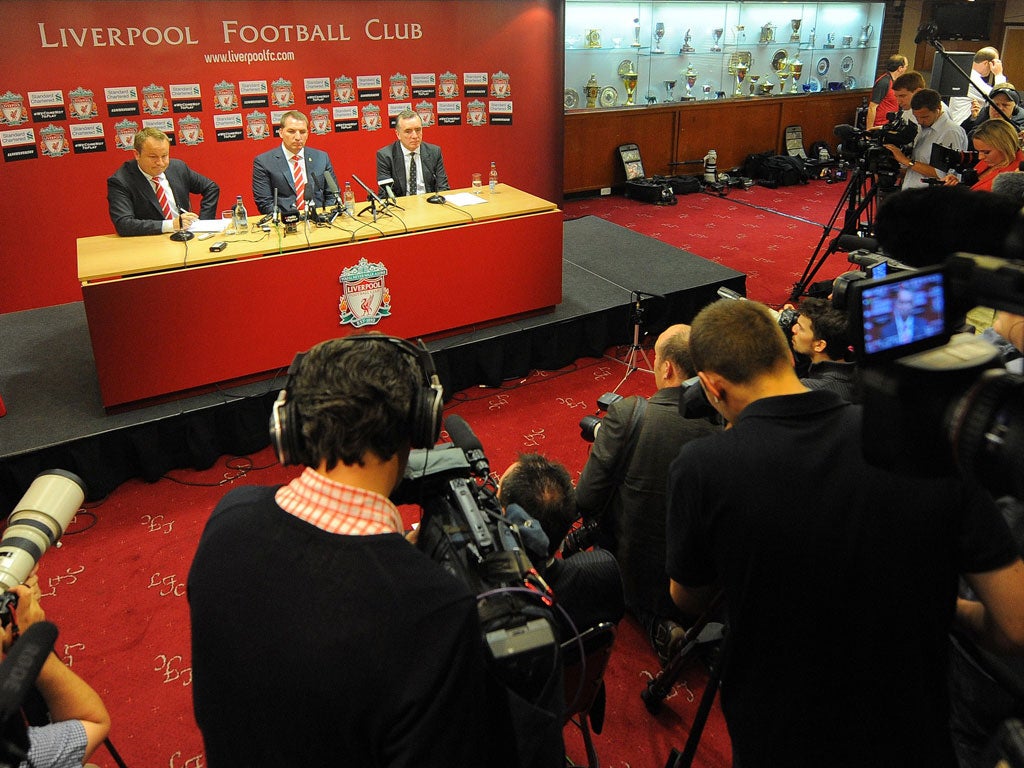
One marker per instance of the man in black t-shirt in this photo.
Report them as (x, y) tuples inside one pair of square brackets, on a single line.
[(839, 577)]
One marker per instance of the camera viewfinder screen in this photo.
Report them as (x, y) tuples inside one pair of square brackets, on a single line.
[(878, 270), (902, 313)]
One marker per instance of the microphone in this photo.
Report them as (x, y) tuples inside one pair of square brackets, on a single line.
[(464, 439), (19, 670), (928, 31), (1011, 184), (371, 194), (332, 187), (385, 185), (276, 214), (856, 243), (182, 235)]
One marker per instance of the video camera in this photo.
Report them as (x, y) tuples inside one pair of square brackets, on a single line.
[(37, 522), (867, 148), (865, 253), (935, 404), (463, 529), (955, 161)]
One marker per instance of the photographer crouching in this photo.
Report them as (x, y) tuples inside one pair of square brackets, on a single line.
[(319, 633), (622, 487)]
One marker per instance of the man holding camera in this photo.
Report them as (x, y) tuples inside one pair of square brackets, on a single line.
[(840, 595), (622, 486), (319, 633), (934, 127), (586, 584), (820, 334)]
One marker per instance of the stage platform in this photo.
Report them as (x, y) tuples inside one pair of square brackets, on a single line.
[(55, 417)]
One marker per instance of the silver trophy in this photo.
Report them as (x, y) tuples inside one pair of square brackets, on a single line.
[(636, 34), (687, 43), (659, 33), (795, 24), (669, 87), (716, 33)]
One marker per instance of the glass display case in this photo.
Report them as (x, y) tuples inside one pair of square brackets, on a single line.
[(639, 53)]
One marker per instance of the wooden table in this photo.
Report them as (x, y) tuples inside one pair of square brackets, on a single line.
[(167, 317)]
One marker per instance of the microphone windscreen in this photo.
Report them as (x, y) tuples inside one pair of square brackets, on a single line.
[(845, 131), (1010, 184), (462, 434), (21, 667)]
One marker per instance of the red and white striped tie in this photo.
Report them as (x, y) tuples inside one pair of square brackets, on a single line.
[(300, 183), (161, 197)]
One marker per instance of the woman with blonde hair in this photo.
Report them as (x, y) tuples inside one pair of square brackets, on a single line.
[(998, 148)]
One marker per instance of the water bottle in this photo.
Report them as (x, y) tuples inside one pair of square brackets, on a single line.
[(348, 199), (492, 178), (239, 216)]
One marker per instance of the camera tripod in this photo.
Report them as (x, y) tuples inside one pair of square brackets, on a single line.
[(661, 685), (636, 351), (859, 200)]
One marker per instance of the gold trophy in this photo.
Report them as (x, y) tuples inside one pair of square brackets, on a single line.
[(740, 70), (797, 68), (795, 24), (592, 38), (591, 90), (753, 84), (629, 78)]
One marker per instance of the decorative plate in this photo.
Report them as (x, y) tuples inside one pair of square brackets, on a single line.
[(779, 60), (847, 65), (813, 85), (823, 65), (572, 98), (850, 83), (609, 96), (624, 66)]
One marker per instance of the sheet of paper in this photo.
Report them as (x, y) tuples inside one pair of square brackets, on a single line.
[(465, 198), (210, 225)]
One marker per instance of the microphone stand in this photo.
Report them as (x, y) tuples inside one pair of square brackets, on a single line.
[(182, 235)]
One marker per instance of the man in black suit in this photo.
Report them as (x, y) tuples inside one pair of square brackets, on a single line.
[(145, 195), (277, 169), (393, 160)]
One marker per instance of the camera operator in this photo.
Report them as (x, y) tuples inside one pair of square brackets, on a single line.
[(79, 721), (624, 490), (839, 594), (883, 100), (935, 127), (820, 333), (587, 584), (903, 88), (319, 634)]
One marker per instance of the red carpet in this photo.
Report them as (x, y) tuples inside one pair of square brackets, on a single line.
[(769, 234), (116, 588)]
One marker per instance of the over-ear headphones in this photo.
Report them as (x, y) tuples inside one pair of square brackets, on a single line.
[(425, 411)]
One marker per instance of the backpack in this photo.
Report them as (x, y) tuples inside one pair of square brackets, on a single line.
[(771, 170)]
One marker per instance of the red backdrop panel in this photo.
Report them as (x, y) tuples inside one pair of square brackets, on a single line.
[(46, 202)]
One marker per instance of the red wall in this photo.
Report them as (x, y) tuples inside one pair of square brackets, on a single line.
[(47, 202)]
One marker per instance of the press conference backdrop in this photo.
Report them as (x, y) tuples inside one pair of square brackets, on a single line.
[(79, 77)]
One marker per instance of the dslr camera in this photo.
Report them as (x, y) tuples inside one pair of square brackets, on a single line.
[(591, 423)]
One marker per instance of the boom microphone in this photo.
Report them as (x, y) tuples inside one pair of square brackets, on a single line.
[(464, 438), (845, 131), (928, 31)]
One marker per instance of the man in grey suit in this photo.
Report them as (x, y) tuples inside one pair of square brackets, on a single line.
[(276, 169), (623, 487), (146, 195), (393, 160)]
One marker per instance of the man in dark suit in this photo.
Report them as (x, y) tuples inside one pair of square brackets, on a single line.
[(146, 194), (622, 487), (292, 168), (393, 160)]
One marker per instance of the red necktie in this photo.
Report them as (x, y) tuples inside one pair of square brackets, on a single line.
[(300, 184), (161, 198)]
